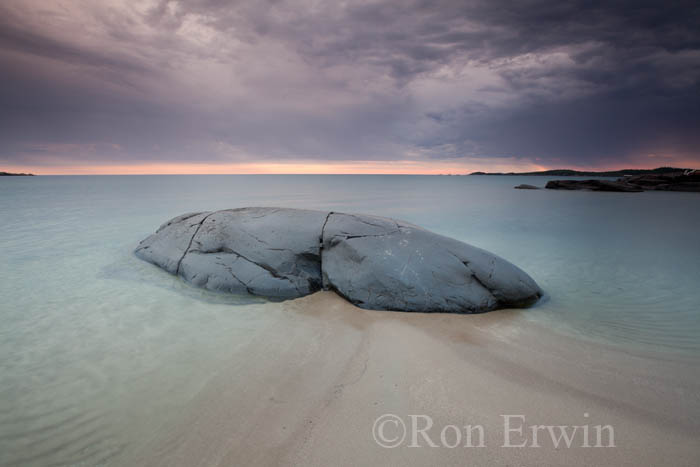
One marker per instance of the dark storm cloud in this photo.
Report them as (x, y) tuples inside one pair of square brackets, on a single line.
[(583, 82)]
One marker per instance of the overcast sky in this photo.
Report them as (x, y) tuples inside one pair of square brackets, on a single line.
[(383, 85)]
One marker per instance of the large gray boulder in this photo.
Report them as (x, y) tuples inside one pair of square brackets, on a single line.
[(374, 262)]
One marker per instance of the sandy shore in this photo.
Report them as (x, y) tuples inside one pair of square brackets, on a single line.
[(309, 387)]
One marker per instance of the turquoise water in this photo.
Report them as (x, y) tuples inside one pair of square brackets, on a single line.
[(87, 329)]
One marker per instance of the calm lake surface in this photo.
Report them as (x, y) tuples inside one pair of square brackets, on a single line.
[(96, 344)]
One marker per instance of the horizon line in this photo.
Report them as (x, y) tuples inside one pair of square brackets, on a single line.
[(446, 173)]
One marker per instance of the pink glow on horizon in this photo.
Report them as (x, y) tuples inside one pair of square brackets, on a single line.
[(407, 167), (305, 167)]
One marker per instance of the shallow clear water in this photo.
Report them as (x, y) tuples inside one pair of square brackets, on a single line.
[(88, 332)]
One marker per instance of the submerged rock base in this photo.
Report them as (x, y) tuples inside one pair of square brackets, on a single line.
[(374, 262)]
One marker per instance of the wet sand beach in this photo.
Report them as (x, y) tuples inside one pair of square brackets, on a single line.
[(309, 386)]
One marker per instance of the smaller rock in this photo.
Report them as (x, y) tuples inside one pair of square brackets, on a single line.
[(525, 186)]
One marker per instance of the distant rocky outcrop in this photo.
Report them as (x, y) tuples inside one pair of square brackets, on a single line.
[(374, 262), (9, 174), (580, 173), (590, 185), (688, 180), (525, 186)]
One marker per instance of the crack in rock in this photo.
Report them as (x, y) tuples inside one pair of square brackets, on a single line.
[(256, 238), (264, 266), (324, 280), (350, 237), (189, 245), (476, 278), (244, 284)]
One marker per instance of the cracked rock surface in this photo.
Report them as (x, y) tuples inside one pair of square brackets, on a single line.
[(374, 262)]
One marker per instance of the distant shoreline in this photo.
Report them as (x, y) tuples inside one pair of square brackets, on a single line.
[(547, 173), (577, 173), (8, 174)]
